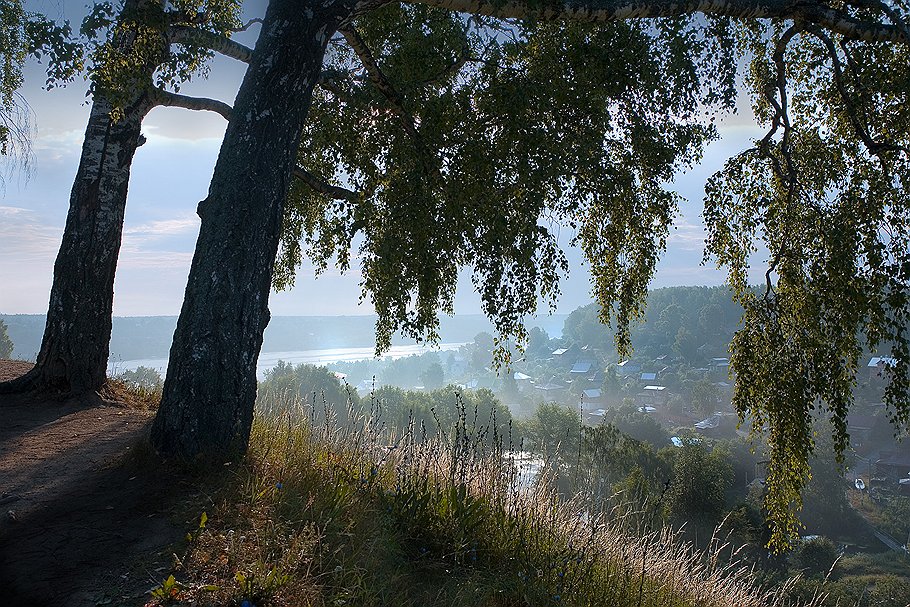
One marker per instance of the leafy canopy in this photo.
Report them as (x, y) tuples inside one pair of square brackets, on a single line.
[(480, 138), (116, 47), (126, 40)]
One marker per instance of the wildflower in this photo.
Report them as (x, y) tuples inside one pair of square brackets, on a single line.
[(555, 597), (278, 485)]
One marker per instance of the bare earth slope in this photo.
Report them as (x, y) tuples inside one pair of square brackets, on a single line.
[(83, 521)]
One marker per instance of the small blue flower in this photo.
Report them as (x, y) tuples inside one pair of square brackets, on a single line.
[(555, 597), (278, 485), (247, 603)]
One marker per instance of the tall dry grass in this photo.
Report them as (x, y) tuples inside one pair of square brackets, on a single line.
[(338, 509)]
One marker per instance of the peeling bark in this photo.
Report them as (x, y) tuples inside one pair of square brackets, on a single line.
[(210, 389)]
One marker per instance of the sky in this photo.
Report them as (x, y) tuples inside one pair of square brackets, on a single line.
[(170, 175)]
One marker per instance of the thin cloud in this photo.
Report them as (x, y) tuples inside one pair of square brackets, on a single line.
[(25, 239), (28, 248), (687, 236), (132, 259), (163, 228)]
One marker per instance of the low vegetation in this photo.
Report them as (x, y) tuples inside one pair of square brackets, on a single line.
[(139, 388), (336, 511)]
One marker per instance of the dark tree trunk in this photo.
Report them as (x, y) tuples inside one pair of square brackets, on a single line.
[(74, 351), (210, 389)]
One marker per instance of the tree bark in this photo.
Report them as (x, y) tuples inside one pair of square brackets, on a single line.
[(74, 350), (210, 389)]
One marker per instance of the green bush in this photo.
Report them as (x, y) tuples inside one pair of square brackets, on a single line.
[(6, 344), (814, 556)]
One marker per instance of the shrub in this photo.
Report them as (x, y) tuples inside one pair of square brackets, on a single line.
[(814, 556), (6, 344)]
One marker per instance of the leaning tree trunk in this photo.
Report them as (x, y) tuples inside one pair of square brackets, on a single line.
[(74, 351), (210, 389)]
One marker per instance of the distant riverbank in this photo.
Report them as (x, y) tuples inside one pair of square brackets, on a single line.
[(268, 360), (149, 337)]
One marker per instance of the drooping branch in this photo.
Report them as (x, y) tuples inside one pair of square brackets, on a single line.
[(332, 191), (862, 132), (395, 101), (775, 94), (169, 99), (182, 34), (379, 79), (810, 11)]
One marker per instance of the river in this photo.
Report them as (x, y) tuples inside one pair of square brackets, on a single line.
[(268, 360)]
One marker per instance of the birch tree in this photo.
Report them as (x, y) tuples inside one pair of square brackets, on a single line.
[(137, 56)]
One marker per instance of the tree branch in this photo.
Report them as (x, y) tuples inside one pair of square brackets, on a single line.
[(332, 191), (331, 81), (810, 11), (395, 101), (892, 14), (182, 34), (169, 99), (247, 25), (378, 78), (776, 95), (874, 147)]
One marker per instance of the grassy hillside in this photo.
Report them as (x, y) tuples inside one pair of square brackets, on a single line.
[(333, 512)]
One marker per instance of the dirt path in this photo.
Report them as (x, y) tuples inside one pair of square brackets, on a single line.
[(86, 513)]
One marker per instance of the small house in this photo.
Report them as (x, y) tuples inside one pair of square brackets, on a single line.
[(877, 366), (626, 368), (582, 367)]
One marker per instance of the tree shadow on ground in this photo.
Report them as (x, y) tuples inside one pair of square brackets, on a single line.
[(90, 515)]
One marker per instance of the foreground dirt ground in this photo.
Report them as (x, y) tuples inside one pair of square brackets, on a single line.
[(87, 514)]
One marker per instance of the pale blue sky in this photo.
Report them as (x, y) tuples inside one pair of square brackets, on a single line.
[(171, 174)]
